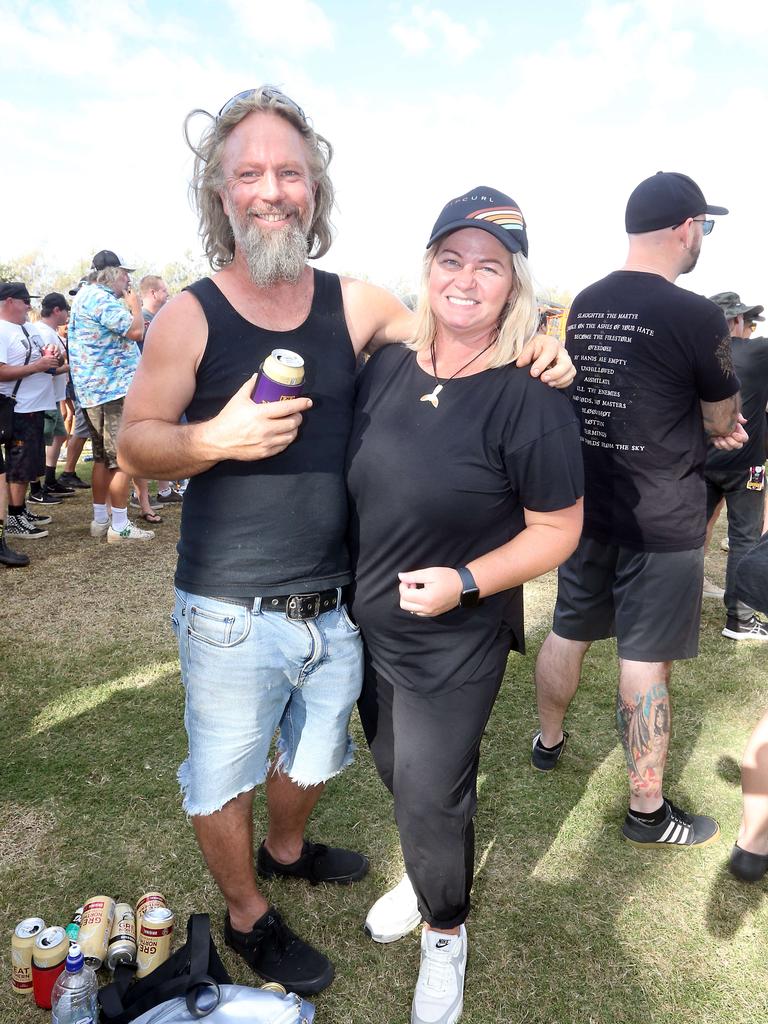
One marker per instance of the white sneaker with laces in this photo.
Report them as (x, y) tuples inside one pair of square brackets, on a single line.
[(439, 995), (394, 914), (128, 532), (711, 589), (99, 529)]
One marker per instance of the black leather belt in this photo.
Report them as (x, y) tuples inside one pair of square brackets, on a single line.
[(303, 606)]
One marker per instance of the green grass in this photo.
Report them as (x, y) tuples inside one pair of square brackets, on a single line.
[(569, 924)]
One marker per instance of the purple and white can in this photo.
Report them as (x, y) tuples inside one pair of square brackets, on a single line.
[(281, 377)]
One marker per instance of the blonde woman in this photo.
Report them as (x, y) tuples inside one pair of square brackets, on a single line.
[(465, 482)]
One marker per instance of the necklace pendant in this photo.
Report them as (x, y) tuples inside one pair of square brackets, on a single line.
[(432, 396)]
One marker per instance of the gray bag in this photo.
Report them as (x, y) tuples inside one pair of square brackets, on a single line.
[(233, 1004)]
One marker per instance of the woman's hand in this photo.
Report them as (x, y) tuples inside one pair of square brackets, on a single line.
[(430, 591), (550, 361)]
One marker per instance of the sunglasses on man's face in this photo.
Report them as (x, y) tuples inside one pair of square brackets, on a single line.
[(268, 92)]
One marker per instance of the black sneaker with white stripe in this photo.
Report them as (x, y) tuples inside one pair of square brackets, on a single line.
[(678, 830)]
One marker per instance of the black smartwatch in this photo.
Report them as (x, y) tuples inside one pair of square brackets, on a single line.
[(470, 592)]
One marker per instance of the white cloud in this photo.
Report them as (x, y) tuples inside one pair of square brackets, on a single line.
[(304, 28), (431, 28)]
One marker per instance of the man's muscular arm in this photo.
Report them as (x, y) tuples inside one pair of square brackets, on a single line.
[(722, 422), (152, 442)]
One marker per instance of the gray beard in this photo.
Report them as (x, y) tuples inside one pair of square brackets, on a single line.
[(271, 256)]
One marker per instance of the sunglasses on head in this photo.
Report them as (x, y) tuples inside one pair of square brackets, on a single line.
[(267, 91)]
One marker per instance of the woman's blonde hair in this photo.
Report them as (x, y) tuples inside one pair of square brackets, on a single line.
[(518, 321), (208, 177)]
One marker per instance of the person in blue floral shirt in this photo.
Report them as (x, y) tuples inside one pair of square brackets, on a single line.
[(105, 324)]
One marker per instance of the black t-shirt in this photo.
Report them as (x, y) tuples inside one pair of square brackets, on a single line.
[(750, 363), (440, 487), (646, 352)]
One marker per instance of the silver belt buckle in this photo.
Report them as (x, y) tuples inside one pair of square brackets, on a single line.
[(293, 608)]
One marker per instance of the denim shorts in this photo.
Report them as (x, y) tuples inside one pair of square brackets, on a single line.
[(249, 674)]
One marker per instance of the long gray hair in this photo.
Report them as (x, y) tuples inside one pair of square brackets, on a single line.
[(208, 178)]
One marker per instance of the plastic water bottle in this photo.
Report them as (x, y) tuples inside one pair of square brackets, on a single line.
[(74, 1000)]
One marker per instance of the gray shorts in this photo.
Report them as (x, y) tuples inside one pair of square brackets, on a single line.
[(81, 428), (649, 600)]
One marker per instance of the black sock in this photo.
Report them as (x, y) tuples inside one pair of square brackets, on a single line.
[(16, 510), (653, 817), (35, 487), (556, 746), (50, 475)]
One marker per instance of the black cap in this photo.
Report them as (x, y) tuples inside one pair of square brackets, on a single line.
[(664, 201), (15, 290), (106, 258), (51, 301), (78, 286), (487, 209)]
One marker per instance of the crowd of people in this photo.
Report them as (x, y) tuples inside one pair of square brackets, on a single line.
[(67, 370), (367, 543)]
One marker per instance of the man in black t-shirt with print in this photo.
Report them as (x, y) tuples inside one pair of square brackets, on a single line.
[(655, 379), (738, 476)]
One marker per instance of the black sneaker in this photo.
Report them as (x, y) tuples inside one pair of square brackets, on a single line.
[(544, 760), (752, 629), (20, 526), (678, 829), (749, 867), (73, 480), (43, 499), (13, 559), (174, 498), (57, 487), (37, 520), (317, 863), (278, 954)]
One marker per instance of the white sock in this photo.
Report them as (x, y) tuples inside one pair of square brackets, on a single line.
[(100, 514), (119, 518), (165, 491)]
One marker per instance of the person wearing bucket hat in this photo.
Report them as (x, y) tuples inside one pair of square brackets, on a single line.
[(465, 482), (738, 476), (263, 532), (655, 380)]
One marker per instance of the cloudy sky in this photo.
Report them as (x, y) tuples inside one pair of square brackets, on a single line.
[(564, 105)]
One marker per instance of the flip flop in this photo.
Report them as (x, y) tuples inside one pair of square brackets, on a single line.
[(151, 517)]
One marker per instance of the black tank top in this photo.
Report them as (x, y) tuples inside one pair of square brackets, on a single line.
[(276, 525)]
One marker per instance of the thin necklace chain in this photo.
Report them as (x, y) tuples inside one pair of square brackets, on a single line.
[(461, 368)]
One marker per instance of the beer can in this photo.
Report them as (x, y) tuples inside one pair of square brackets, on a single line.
[(281, 376), (22, 941), (95, 929), (273, 986), (122, 941), (73, 928), (148, 902), (49, 954), (155, 934)]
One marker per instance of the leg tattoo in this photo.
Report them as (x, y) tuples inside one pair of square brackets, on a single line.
[(644, 731)]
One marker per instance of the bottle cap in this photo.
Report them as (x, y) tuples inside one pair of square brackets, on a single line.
[(75, 959)]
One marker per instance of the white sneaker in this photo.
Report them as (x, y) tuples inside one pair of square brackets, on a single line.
[(439, 995), (128, 532), (99, 529), (725, 544), (394, 914), (712, 590)]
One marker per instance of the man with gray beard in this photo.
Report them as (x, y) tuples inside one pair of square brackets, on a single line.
[(266, 644)]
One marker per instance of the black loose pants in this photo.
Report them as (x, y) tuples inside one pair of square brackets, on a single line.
[(426, 748)]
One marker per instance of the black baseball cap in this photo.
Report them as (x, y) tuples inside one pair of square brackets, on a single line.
[(52, 300), (484, 208), (664, 201), (15, 290), (106, 258)]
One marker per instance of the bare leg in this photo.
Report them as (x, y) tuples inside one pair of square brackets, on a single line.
[(142, 493), (557, 674), (53, 449), (712, 521), (643, 716), (289, 805), (226, 841), (17, 493), (100, 481), (753, 835), (119, 488), (74, 451), (3, 497)]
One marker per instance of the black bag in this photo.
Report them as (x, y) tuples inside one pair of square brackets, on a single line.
[(8, 402), (196, 965)]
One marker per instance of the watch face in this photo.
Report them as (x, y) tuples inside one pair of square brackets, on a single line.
[(470, 598)]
